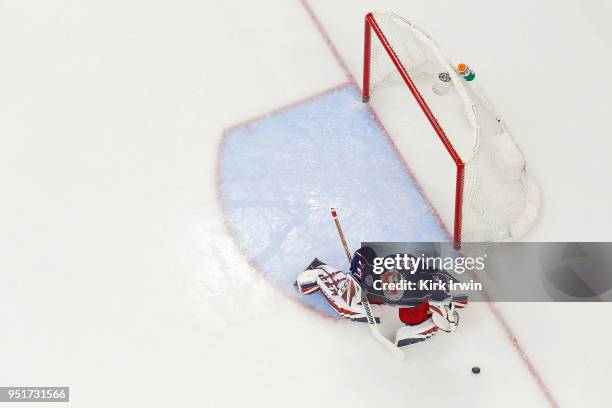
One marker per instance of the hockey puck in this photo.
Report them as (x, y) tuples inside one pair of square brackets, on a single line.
[(476, 370)]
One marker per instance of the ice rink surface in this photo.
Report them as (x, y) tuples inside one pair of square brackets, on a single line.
[(279, 175), (120, 276)]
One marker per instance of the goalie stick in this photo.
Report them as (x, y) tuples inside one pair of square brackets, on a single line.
[(364, 299)]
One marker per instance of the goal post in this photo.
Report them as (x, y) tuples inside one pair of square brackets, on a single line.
[(494, 200)]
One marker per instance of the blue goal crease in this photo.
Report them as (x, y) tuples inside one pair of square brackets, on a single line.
[(280, 175)]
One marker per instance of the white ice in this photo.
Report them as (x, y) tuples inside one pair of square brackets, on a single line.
[(110, 118)]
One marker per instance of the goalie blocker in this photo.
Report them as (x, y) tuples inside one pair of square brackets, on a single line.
[(422, 318)]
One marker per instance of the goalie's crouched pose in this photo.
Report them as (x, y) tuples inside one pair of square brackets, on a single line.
[(424, 313)]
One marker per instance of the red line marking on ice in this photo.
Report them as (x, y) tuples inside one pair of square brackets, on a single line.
[(329, 42), (246, 123), (234, 234), (506, 327), (351, 81), (381, 127)]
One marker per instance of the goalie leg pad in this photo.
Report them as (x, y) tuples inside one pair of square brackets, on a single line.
[(306, 282), (342, 292), (412, 334)]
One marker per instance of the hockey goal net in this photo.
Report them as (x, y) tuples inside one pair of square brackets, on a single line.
[(476, 178)]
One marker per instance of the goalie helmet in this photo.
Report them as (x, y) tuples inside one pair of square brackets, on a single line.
[(363, 261)]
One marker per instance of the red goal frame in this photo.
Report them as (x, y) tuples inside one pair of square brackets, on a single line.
[(372, 25)]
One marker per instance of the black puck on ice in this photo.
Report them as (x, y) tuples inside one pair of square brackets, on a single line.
[(476, 370)]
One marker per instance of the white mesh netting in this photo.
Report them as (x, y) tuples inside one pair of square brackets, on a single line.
[(500, 202)]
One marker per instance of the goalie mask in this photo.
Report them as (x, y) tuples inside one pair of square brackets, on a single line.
[(363, 261)]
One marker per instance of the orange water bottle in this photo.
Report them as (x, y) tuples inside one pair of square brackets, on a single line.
[(466, 72)]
